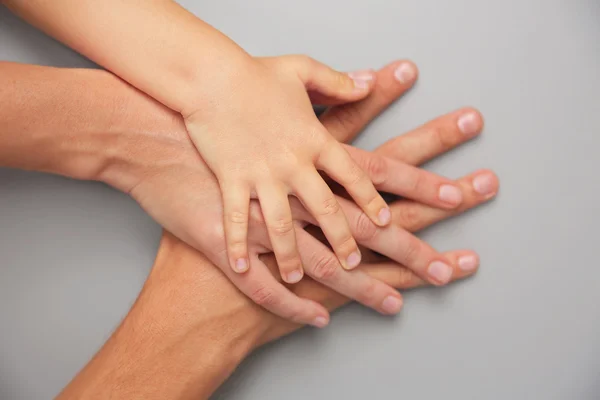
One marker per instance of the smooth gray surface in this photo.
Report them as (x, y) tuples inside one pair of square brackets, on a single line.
[(75, 254)]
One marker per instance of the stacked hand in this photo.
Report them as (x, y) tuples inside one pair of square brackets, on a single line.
[(177, 188)]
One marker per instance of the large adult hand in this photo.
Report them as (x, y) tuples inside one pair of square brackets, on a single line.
[(168, 178), (190, 327)]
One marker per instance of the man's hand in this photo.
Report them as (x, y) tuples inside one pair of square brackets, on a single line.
[(190, 327)]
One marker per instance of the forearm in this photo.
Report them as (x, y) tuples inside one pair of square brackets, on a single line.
[(181, 339), (82, 123), (156, 45)]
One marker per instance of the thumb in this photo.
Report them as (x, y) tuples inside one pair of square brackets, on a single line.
[(327, 86)]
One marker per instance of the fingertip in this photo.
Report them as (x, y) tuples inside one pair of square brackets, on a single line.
[(292, 277), (406, 72), (352, 261), (364, 81), (320, 321), (468, 263), (485, 183), (450, 195), (470, 122), (392, 304), (240, 265), (384, 217)]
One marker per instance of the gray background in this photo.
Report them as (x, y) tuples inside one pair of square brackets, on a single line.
[(74, 254)]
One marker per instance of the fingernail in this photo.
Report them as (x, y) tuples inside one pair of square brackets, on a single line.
[(391, 305), (362, 79), (469, 124), (484, 184), (450, 194), (320, 322), (468, 263), (353, 260), (384, 216), (241, 265), (405, 73), (294, 276), (440, 271)]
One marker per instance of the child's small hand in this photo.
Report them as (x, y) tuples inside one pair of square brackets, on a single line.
[(262, 140)]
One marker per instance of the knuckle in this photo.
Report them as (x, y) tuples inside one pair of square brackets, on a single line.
[(365, 230), (325, 267), (354, 175), (330, 206), (416, 184), (264, 297), (377, 169), (368, 294), (237, 217), (404, 278), (411, 251), (409, 218), (442, 137), (281, 226)]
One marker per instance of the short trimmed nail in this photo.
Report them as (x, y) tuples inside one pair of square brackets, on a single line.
[(384, 216), (353, 260), (294, 276), (484, 184), (440, 271), (450, 194), (468, 263), (320, 322), (361, 79), (241, 265), (468, 124), (405, 73), (391, 304)]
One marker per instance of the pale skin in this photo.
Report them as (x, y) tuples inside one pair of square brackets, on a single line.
[(180, 341), (87, 124), (252, 122)]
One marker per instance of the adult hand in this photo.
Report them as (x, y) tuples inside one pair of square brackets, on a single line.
[(190, 327), (168, 178)]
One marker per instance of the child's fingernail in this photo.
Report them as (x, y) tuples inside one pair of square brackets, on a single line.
[(440, 271), (294, 276), (469, 124), (468, 263), (320, 322), (384, 216), (241, 265), (353, 260), (391, 304), (450, 194), (484, 184), (405, 73), (362, 79)]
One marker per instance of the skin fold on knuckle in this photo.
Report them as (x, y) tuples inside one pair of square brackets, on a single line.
[(410, 251), (281, 227), (324, 267), (264, 296), (376, 168), (444, 138), (409, 217), (364, 229), (237, 217), (329, 207)]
